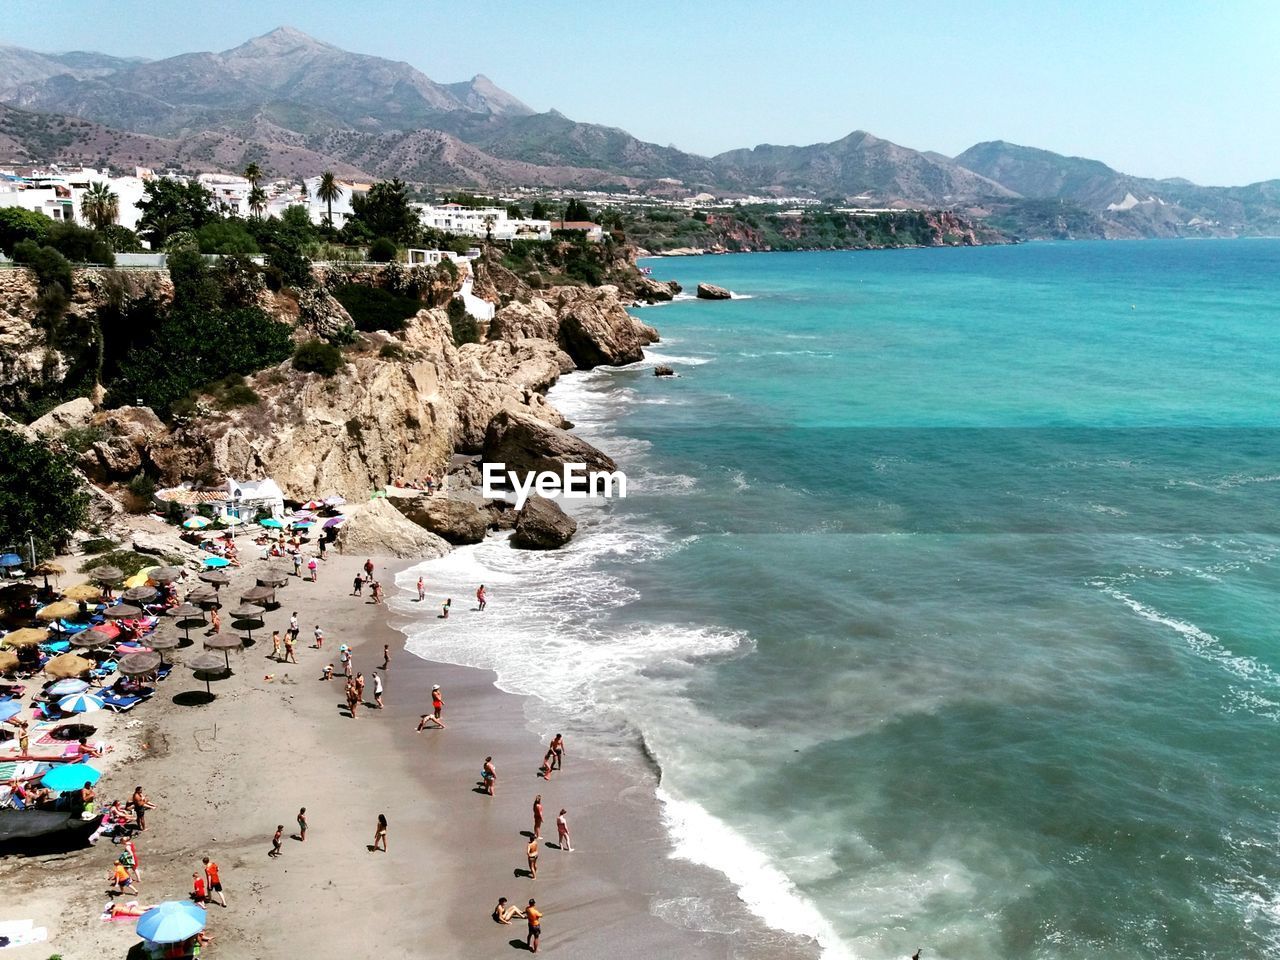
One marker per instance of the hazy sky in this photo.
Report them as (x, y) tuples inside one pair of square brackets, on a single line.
[(1176, 88)]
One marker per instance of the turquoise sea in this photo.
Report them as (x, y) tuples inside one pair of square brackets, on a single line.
[(945, 595)]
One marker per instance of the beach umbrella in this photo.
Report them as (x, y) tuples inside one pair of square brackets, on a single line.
[(106, 574), (271, 522), (172, 922), (123, 611), (334, 522), (9, 709), (88, 639), (138, 579), (64, 688), (216, 577), (81, 703), (59, 610), (248, 613), (49, 569), (202, 594), (162, 643), (83, 591), (226, 643), (8, 660), (10, 560), (166, 574), (140, 594), (196, 523), (258, 594), (333, 500), (215, 563), (26, 637), (273, 579), (208, 663), (68, 665), (184, 611), (70, 776), (231, 520), (301, 525), (138, 664)]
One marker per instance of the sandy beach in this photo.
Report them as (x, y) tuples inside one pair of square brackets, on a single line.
[(224, 773)]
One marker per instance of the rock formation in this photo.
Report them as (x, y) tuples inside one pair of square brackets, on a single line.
[(595, 328), (526, 445), (458, 519), (542, 525), (663, 371), (709, 291), (375, 527)]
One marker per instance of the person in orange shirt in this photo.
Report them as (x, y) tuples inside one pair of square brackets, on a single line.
[(534, 916), (215, 883), (120, 879), (197, 889)]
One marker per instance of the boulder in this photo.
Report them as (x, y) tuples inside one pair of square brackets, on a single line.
[(595, 328), (663, 372), (542, 525), (518, 321), (527, 445), (66, 416), (458, 518), (709, 291), (376, 528), (502, 515), (649, 290), (321, 313)]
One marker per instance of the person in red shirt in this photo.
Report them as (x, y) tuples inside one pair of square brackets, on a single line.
[(215, 882), (197, 888)]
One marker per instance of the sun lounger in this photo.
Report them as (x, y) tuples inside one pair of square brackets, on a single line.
[(122, 704)]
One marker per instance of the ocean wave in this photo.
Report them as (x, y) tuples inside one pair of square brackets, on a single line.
[(653, 357)]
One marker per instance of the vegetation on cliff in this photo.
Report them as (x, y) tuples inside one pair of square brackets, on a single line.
[(42, 500)]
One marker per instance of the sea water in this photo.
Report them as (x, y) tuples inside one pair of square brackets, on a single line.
[(944, 595)]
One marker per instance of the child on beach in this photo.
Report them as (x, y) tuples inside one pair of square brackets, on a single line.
[(357, 586), (546, 765), (489, 774), (444, 609), (120, 879), (215, 882), (319, 637), (302, 824), (197, 889), (422, 590), (386, 655), (328, 673), (275, 842), (480, 597)]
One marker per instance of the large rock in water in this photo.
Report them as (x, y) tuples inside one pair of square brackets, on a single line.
[(457, 519), (709, 291), (542, 525), (596, 330), (376, 528), (527, 445), (650, 290)]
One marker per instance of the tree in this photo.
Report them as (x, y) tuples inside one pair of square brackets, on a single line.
[(514, 212), (316, 356), (489, 221), (226, 237), (328, 192), (257, 200), (576, 211), (462, 324), (99, 206), (17, 225), (385, 212), (539, 211), (382, 250), (169, 206), (42, 498), (253, 173)]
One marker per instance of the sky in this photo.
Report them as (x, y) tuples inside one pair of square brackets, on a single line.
[(1177, 88)]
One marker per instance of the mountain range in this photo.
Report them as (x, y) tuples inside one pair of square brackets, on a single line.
[(296, 106)]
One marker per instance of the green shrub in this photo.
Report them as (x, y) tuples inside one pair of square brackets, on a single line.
[(43, 498), (128, 561), (81, 439), (17, 225), (226, 236), (373, 308), (462, 324), (98, 545), (80, 244), (316, 356), (392, 351), (142, 486), (382, 250), (46, 263)]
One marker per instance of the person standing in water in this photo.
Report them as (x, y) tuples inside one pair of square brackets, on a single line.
[(422, 590), (480, 598), (444, 608)]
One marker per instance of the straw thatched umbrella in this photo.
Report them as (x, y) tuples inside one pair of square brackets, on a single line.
[(162, 642), (166, 574), (68, 665), (218, 578), (248, 613), (184, 613), (58, 610), (83, 591), (208, 663), (123, 611), (225, 642), (139, 664), (49, 569), (274, 576), (203, 594), (139, 594), (26, 637), (8, 660), (91, 639), (260, 594), (106, 574)]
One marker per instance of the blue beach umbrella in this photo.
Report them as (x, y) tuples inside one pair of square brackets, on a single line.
[(271, 522), (80, 703), (70, 776), (212, 562), (171, 922), (10, 709), (10, 560), (64, 688)]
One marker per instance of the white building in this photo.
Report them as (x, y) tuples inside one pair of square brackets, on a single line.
[(481, 222), (319, 210), (57, 193)]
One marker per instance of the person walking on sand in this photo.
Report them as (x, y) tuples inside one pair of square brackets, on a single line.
[(377, 691), (368, 568), (489, 774), (444, 608), (480, 598), (376, 590), (288, 650), (302, 825), (313, 568), (215, 621), (293, 625), (215, 883), (357, 585), (531, 852), (534, 916), (297, 565), (275, 645), (359, 685), (380, 834), (120, 879), (422, 590), (275, 842), (562, 831), (557, 748), (386, 655), (537, 817), (318, 634)]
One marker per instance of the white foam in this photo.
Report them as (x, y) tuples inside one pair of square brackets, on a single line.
[(653, 357)]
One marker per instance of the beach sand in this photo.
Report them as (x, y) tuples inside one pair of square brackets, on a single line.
[(223, 774)]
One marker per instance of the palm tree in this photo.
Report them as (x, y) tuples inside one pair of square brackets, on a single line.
[(328, 191), (489, 221), (253, 173), (257, 200), (99, 206)]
